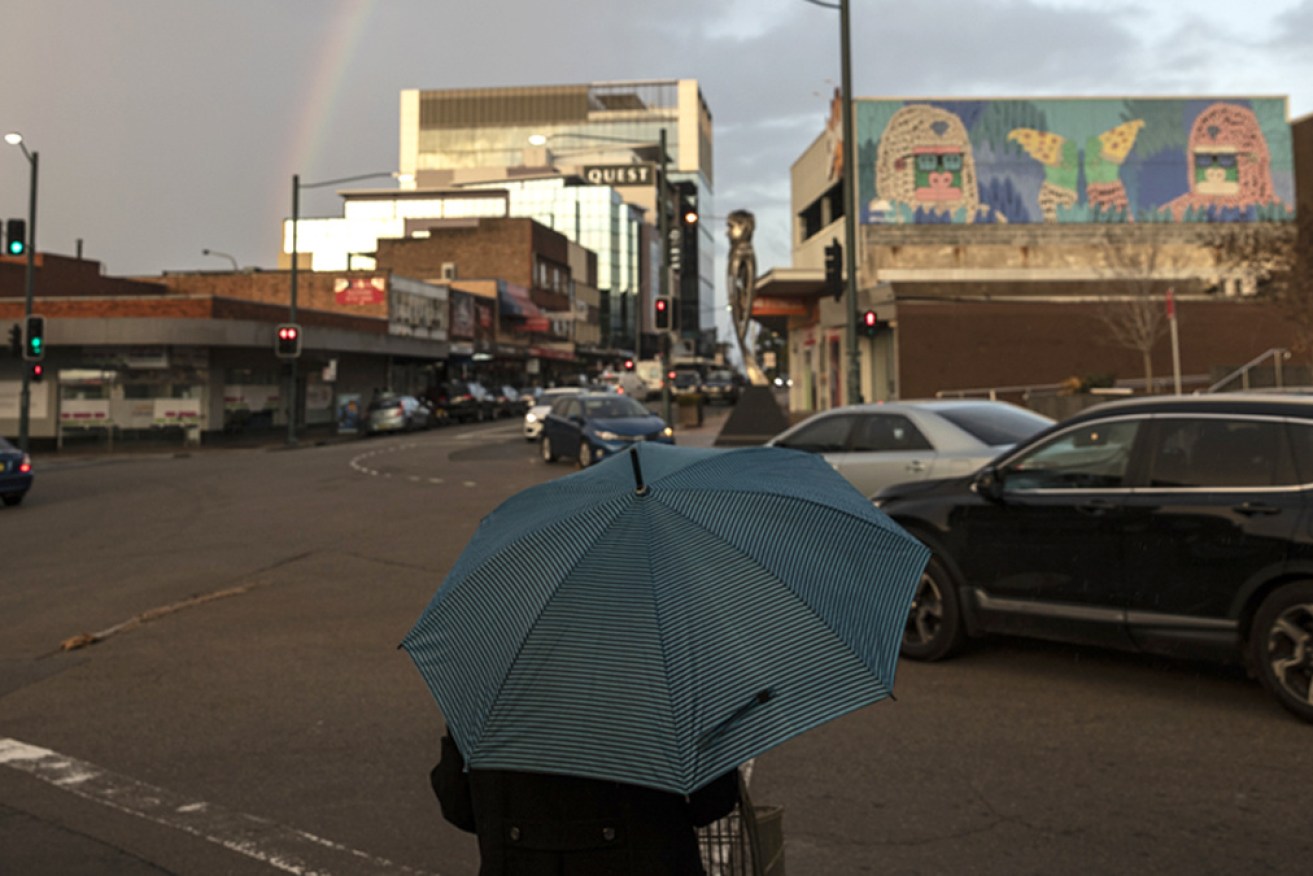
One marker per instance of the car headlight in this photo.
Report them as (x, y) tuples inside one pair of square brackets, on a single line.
[(530, 418), (668, 432), (603, 435)]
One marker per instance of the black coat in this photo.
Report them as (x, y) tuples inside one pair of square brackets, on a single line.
[(535, 823)]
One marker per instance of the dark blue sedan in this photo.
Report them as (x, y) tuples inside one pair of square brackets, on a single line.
[(15, 473), (590, 426)]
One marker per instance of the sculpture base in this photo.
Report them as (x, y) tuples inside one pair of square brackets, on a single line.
[(756, 419)]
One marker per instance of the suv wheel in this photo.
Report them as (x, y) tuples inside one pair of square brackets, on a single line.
[(1281, 647), (548, 455), (585, 453), (934, 622)]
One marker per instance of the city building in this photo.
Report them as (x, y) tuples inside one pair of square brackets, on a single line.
[(1015, 245), (585, 160)]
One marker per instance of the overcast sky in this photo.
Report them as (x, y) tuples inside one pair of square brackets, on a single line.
[(165, 127)]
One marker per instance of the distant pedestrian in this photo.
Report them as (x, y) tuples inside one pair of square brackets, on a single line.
[(537, 823)]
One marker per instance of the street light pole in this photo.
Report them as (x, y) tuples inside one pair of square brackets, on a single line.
[(33, 158), (292, 406), (849, 206), (666, 340), (854, 382)]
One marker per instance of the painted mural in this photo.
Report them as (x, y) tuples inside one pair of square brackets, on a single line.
[(1075, 161)]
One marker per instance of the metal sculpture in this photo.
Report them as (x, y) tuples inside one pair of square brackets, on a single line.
[(742, 281)]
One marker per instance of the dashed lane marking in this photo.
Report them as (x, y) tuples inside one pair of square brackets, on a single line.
[(285, 848)]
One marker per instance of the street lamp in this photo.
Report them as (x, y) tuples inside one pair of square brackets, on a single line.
[(297, 185), (222, 255), (16, 139), (663, 232), (849, 195)]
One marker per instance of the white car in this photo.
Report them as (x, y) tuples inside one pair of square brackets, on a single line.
[(533, 420), (877, 445)]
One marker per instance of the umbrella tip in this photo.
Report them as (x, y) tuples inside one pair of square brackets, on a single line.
[(639, 487)]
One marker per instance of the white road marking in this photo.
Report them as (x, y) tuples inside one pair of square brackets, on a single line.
[(287, 849)]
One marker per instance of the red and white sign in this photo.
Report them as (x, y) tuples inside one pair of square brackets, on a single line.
[(360, 290)]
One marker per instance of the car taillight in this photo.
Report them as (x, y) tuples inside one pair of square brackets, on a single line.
[(26, 465)]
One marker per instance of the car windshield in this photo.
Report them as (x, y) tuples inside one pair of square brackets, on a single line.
[(385, 401), (996, 425), (614, 407)]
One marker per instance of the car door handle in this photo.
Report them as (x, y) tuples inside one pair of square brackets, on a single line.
[(1252, 509), (916, 465), (1097, 507)]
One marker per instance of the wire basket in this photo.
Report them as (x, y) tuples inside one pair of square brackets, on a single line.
[(747, 842)]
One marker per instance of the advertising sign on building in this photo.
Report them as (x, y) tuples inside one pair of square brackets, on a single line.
[(360, 290), (620, 174), (417, 309)]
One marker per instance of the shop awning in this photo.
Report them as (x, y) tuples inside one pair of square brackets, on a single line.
[(515, 301)]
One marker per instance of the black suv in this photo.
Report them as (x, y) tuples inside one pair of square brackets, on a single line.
[(1178, 525)]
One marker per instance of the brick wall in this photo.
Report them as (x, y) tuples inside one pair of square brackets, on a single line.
[(966, 345)]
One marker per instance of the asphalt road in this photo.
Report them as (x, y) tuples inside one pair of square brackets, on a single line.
[(243, 708)]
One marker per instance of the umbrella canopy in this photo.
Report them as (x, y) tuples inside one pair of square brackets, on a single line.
[(664, 616)]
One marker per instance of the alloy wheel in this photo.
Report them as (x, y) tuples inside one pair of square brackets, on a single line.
[(926, 615), (1290, 651)]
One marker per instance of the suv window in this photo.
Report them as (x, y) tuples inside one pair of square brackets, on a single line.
[(1088, 456), (1215, 452)]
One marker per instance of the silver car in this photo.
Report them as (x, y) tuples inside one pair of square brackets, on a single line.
[(877, 445), (397, 413)]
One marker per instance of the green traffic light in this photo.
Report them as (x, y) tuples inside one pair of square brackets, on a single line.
[(15, 247)]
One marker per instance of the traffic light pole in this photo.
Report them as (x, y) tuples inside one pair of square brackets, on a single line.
[(849, 206), (663, 281), (291, 311), (28, 281)]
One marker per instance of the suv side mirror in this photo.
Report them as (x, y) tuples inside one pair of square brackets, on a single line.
[(989, 483)]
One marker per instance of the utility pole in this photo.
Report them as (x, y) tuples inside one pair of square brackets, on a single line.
[(849, 206)]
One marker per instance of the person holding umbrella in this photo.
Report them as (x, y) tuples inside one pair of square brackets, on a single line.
[(689, 609), (532, 823)]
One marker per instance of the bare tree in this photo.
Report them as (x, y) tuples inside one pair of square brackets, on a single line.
[(1135, 316)]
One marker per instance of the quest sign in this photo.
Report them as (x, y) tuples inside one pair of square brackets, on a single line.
[(619, 174)]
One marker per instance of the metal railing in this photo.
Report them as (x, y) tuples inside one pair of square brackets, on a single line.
[(1276, 354)]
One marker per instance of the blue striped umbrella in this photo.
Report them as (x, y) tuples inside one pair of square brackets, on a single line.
[(665, 615)]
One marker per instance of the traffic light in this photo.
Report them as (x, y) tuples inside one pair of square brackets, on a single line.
[(34, 337), (870, 324), (663, 313), (834, 269), (16, 341), (15, 237), (629, 364), (287, 340), (36, 371)]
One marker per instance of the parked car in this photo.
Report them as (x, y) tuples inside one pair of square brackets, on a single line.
[(592, 425), (1179, 526), (721, 386), (533, 420), (15, 473), (877, 445), (463, 401), (390, 412)]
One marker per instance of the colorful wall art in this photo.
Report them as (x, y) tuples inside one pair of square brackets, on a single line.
[(1074, 160)]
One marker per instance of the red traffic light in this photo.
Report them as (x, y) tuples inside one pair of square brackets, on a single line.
[(287, 340), (629, 364), (870, 324)]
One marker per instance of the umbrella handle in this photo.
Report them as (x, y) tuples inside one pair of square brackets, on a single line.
[(640, 487), (760, 699)]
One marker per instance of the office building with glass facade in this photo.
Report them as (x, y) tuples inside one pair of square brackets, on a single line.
[(599, 136)]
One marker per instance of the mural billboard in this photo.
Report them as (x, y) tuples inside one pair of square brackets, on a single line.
[(1074, 160)]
